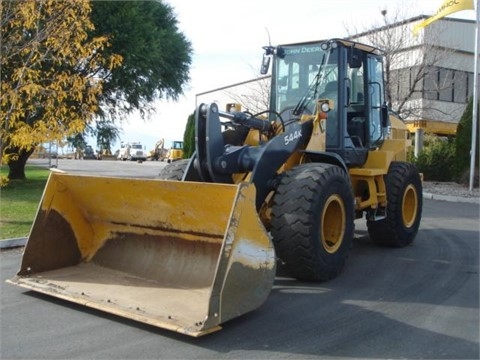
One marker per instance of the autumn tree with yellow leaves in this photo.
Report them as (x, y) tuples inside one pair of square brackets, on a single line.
[(51, 75)]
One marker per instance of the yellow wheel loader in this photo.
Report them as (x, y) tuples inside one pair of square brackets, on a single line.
[(175, 152), (201, 245)]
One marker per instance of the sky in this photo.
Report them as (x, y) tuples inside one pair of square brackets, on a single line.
[(227, 38)]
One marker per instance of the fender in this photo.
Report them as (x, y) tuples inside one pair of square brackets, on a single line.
[(327, 157)]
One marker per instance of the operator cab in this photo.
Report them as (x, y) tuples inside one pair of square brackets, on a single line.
[(349, 74)]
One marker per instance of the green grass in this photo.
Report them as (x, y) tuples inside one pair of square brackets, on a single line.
[(19, 201)]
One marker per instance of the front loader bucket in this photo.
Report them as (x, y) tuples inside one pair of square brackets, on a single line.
[(184, 256)]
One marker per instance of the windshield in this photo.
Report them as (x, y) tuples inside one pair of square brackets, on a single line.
[(302, 75)]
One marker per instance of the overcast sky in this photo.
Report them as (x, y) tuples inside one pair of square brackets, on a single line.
[(227, 38)]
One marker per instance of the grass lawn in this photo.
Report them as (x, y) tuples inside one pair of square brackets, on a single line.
[(19, 201)]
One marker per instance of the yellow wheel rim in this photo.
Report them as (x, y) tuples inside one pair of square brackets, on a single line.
[(409, 206), (333, 224)]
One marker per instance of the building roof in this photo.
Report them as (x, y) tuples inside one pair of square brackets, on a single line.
[(408, 21)]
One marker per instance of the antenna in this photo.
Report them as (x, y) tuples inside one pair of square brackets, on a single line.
[(269, 50), (269, 41)]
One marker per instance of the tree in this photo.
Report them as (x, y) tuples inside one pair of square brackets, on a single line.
[(463, 144), (50, 75), (156, 55), (78, 143), (106, 133), (156, 61), (189, 137), (253, 95)]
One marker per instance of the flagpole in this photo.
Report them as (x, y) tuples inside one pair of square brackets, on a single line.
[(475, 102)]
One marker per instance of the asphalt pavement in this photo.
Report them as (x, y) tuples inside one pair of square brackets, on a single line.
[(417, 302)]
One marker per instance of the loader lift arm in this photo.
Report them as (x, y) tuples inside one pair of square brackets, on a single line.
[(216, 161)]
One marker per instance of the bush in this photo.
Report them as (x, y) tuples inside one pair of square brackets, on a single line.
[(437, 160)]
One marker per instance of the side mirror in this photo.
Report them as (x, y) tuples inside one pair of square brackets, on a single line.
[(355, 58), (385, 116), (265, 64)]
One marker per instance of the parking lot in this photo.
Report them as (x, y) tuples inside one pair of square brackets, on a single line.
[(417, 302), (145, 169)]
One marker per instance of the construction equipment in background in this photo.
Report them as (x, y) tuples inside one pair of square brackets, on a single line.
[(89, 153), (159, 152), (437, 127), (133, 151), (200, 247), (175, 152)]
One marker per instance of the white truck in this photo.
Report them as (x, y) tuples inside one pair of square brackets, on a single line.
[(132, 151)]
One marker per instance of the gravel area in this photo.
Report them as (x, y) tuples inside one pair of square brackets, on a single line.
[(450, 189)]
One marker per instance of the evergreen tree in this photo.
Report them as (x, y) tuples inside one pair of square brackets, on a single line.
[(463, 141), (189, 137), (156, 56)]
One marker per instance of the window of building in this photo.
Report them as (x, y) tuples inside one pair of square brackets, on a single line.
[(460, 86), (430, 88), (447, 85), (469, 85), (394, 85)]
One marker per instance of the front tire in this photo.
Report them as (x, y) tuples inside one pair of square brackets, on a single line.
[(174, 170), (404, 207), (313, 221)]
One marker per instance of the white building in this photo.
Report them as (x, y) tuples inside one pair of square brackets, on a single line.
[(432, 73)]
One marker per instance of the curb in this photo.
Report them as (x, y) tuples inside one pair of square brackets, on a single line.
[(20, 242), (13, 243), (449, 198)]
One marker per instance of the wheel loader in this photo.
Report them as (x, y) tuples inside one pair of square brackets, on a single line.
[(175, 152), (201, 245)]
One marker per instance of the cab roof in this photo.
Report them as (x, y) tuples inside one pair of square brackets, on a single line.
[(347, 43)]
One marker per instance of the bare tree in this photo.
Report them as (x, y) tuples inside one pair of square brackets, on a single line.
[(253, 96), (411, 64)]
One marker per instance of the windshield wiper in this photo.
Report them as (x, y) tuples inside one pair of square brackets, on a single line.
[(313, 88)]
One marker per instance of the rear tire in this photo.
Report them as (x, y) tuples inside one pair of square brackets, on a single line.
[(313, 221), (174, 170), (404, 207)]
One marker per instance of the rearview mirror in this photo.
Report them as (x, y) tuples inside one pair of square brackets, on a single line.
[(354, 58), (265, 64), (385, 116)]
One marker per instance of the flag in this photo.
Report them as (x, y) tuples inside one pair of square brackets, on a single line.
[(448, 7)]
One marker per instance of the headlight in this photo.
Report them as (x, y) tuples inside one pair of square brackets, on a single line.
[(325, 107)]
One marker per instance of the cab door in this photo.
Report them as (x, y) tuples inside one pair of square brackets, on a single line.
[(375, 99)]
